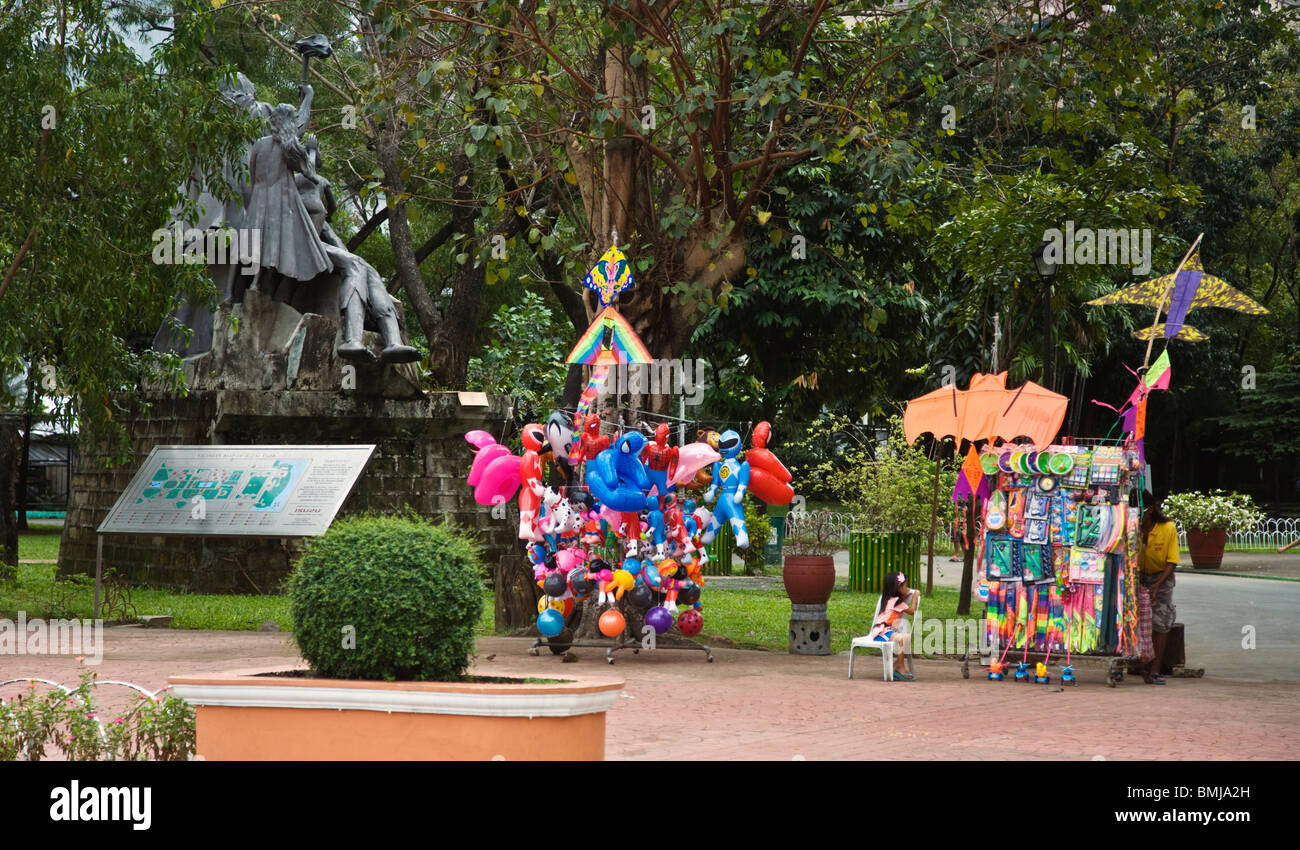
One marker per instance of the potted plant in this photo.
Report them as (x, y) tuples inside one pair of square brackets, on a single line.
[(809, 568), (384, 612), (1207, 518)]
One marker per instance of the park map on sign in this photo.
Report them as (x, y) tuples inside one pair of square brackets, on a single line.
[(269, 491), (266, 488)]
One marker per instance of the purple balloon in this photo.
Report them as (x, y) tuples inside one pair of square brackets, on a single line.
[(659, 618)]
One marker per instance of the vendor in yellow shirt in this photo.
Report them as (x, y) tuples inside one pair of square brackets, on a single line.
[(1159, 559)]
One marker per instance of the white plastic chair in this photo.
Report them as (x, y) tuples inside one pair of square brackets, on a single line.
[(887, 647)]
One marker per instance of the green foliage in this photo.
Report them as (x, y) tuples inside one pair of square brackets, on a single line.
[(1267, 419), (894, 492), (380, 597), (36, 726), (823, 450), (525, 357), (759, 528), (96, 142)]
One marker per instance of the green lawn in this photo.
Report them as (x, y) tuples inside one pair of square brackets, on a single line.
[(39, 595), (39, 543), (750, 619)]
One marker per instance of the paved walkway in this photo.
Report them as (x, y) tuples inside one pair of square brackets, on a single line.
[(764, 705)]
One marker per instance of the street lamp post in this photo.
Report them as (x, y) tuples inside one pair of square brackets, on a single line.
[(1046, 267)]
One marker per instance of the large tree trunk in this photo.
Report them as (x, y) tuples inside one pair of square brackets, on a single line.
[(408, 267), (26, 454), (10, 457), (516, 593), (449, 352)]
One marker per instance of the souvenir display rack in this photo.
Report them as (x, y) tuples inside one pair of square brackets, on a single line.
[(1058, 554)]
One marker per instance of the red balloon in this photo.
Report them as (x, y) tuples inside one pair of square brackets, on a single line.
[(690, 622), (612, 623)]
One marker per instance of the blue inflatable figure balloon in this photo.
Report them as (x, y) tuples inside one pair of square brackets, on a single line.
[(618, 480), (730, 478)]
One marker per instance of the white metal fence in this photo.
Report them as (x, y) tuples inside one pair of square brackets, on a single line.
[(838, 525), (1265, 537)]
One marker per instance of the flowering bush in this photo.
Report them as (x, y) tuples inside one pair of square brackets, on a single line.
[(1197, 511), (34, 726)]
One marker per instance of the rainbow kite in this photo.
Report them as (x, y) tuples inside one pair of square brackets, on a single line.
[(588, 397), (607, 341)]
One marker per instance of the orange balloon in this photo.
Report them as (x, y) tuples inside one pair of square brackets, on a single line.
[(612, 623)]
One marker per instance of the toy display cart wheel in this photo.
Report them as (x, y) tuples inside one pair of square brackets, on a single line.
[(560, 644)]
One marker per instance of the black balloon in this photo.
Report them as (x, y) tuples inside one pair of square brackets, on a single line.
[(554, 585), (688, 595), (581, 583), (642, 597)]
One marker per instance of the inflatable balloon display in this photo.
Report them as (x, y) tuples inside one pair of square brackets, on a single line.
[(617, 529)]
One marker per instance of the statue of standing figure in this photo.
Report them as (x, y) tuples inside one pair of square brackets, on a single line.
[(288, 204)]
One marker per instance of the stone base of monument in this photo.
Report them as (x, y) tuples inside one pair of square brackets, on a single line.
[(273, 378), (810, 630)]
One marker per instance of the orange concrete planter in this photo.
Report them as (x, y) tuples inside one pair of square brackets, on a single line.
[(245, 717)]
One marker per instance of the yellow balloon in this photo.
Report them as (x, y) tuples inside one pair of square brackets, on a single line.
[(624, 579), (541, 604)]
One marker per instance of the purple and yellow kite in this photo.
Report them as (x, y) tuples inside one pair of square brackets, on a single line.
[(1187, 290)]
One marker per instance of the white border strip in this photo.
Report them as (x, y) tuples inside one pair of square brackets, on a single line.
[(477, 704)]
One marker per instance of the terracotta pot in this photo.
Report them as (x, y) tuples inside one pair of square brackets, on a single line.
[(248, 717), (809, 579), (1206, 548)]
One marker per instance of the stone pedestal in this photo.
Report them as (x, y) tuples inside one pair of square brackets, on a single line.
[(272, 378), (810, 630)]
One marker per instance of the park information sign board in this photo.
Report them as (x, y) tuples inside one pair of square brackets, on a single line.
[(216, 491)]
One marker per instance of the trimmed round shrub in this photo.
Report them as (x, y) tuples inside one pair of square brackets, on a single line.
[(381, 597)]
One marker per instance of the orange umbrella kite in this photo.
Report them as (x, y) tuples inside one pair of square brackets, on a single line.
[(987, 410)]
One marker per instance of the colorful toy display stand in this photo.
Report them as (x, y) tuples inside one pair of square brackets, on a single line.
[(1061, 573), (612, 536)]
